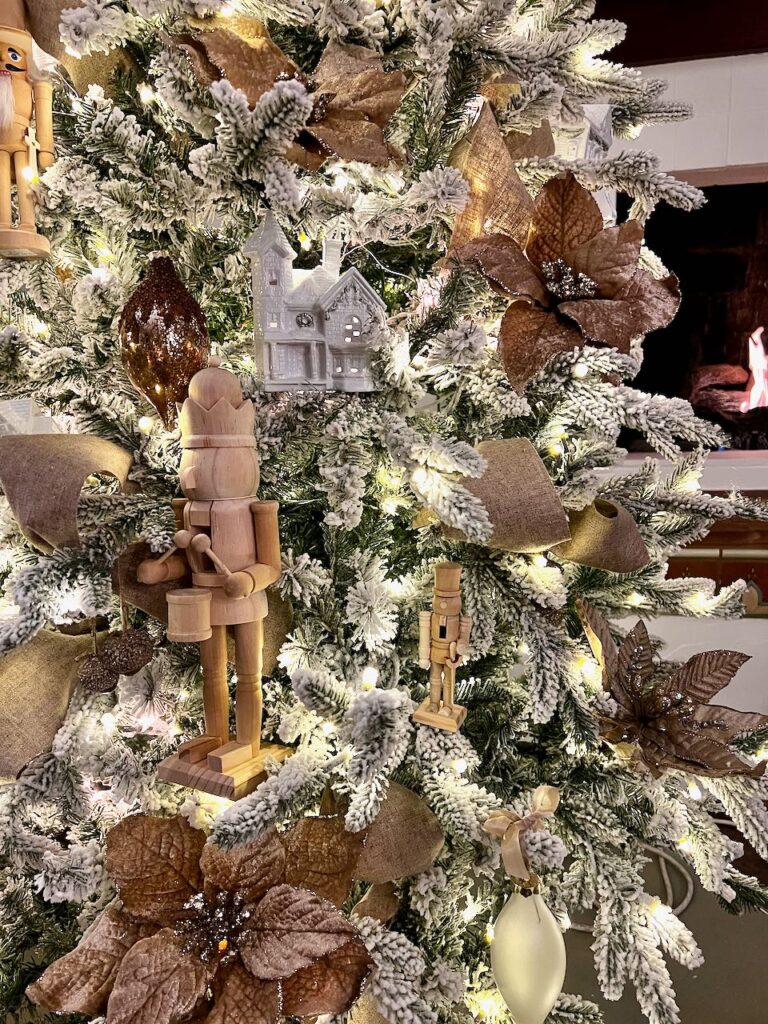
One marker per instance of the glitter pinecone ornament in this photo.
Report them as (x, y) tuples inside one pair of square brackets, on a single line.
[(96, 675), (164, 338), (128, 651)]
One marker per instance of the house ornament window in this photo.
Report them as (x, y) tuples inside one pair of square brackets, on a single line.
[(352, 330)]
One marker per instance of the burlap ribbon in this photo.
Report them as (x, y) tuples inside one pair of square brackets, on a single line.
[(42, 476), (509, 827), (519, 496), (498, 200)]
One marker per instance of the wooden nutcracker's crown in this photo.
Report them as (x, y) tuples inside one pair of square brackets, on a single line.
[(216, 415), (447, 579)]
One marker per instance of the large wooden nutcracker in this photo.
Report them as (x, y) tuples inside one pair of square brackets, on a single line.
[(231, 544), (443, 642), (24, 149)]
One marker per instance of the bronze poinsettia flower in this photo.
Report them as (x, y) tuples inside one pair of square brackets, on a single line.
[(243, 936), (575, 282), (354, 97), (669, 723)]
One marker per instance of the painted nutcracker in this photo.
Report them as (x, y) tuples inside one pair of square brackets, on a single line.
[(443, 641), (231, 544), (25, 149)]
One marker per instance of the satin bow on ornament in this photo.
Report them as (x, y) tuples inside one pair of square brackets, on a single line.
[(510, 828)]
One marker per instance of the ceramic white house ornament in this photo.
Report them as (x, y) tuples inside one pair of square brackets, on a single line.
[(313, 328)]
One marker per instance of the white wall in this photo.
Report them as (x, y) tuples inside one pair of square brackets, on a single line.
[(729, 128)]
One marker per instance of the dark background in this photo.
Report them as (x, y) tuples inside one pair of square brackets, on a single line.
[(659, 31)]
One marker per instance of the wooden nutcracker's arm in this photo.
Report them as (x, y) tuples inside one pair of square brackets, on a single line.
[(425, 637), (465, 631), (43, 92), (269, 566)]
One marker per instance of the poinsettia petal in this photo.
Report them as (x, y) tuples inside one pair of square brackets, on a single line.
[(505, 264), (331, 985), (606, 322), (610, 258), (705, 674), (695, 750), (725, 724), (321, 855), (250, 869), (634, 666), (155, 864), (529, 338), (239, 998), (291, 929), (81, 981), (360, 86), (157, 983), (564, 216)]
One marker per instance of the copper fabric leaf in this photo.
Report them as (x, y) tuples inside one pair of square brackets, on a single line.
[(155, 864), (329, 986), (691, 749), (529, 338), (360, 85), (157, 983), (705, 674), (291, 929), (634, 667), (564, 216), (600, 640), (505, 264), (321, 856), (81, 981), (249, 870), (726, 723), (239, 998), (242, 51), (610, 258), (645, 304)]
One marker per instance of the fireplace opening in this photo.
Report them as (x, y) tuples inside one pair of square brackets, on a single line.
[(715, 352)]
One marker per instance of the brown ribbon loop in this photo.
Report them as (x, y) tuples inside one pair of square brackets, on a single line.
[(509, 827)]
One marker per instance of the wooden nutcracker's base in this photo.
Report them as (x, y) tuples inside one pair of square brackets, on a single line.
[(16, 244), (441, 719), (234, 783)]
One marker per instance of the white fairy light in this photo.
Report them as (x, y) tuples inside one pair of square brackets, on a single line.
[(579, 371), (146, 92), (328, 728), (369, 677), (145, 424), (694, 792), (109, 722), (460, 765)]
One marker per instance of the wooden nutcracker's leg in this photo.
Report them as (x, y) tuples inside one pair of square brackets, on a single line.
[(449, 686), (213, 658), (5, 190), (435, 685), (249, 641), (24, 193)]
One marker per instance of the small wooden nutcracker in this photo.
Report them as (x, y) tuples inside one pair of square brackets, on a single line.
[(24, 95), (231, 544), (443, 641)]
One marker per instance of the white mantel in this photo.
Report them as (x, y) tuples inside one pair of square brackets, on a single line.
[(724, 471)]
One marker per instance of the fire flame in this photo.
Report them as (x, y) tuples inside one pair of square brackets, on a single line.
[(758, 367)]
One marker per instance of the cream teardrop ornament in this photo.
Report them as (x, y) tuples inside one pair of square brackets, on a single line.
[(528, 958)]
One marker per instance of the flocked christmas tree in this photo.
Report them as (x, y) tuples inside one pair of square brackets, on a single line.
[(422, 143)]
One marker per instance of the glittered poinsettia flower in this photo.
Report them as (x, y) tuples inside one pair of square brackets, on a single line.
[(241, 936), (354, 97), (574, 282), (668, 722)]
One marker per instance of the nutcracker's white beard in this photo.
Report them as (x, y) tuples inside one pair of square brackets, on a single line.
[(7, 103)]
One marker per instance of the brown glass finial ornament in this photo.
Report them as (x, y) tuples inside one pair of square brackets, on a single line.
[(164, 338)]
